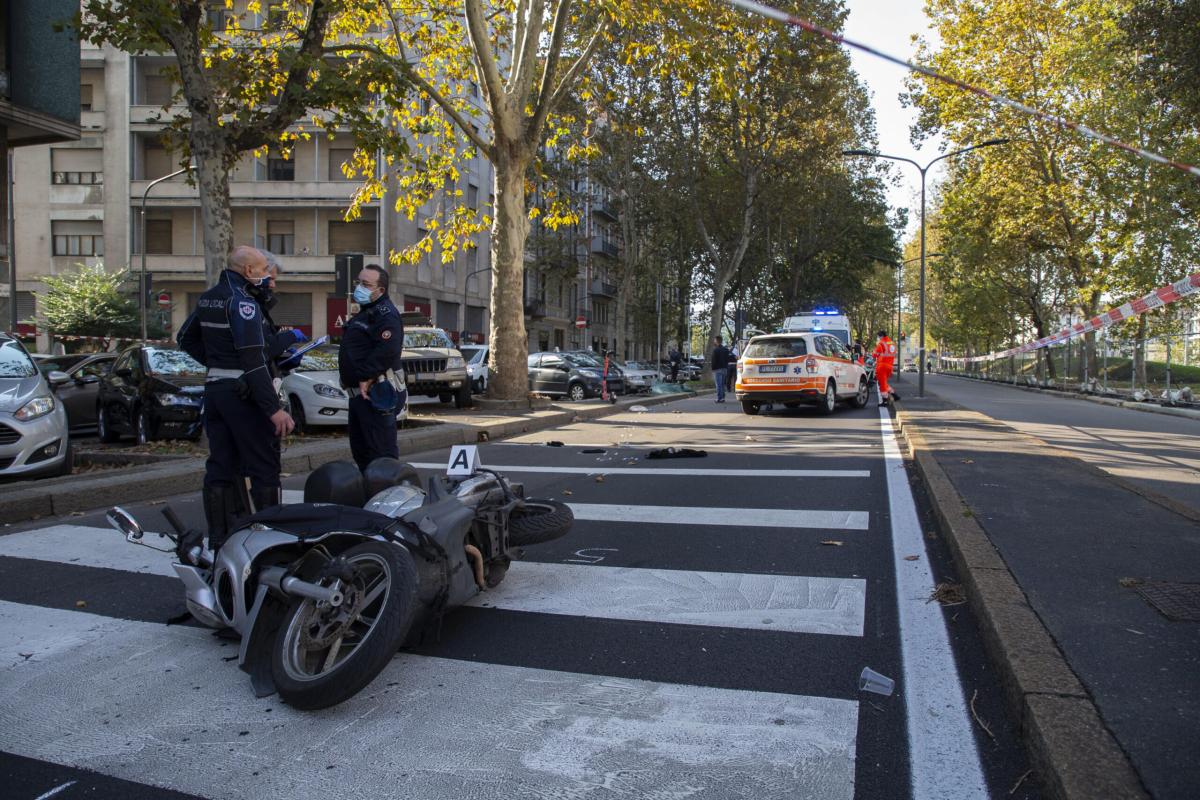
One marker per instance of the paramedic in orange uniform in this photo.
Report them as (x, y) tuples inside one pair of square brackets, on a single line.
[(885, 361)]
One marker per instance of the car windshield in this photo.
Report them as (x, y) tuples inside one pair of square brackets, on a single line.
[(776, 348), (473, 355), (433, 338), (172, 362), (60, 363), (578, 360), (319, 359), (15, 362)]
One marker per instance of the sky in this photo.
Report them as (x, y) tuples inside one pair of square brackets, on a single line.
[(888, 25)]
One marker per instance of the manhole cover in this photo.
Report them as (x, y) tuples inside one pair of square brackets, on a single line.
[(1176, 601)]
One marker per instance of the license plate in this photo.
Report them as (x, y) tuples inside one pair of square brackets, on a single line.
[(773, 368)]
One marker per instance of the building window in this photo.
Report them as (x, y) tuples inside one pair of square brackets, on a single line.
[(280, 168), (281, 236), (77, 237), (352, 237), (76, 165), (472, 196), (158, 237), (157, 90), (276, 16), (85, 97), (337, 157), (217, 16)]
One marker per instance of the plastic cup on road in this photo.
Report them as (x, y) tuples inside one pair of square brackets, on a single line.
[(872, 681)]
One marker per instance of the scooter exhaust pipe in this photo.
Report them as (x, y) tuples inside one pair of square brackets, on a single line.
[(277, 578)]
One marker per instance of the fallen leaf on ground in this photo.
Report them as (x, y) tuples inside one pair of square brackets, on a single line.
[(1129, 583), (567, 492), (1131, 630), (948, 594), (599, 479), (833, 543), (81, 603), (967, 461), (751, 439), (912, 558)]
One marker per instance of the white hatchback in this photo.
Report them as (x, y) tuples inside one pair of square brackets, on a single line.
[(315, 393), (798, 368)]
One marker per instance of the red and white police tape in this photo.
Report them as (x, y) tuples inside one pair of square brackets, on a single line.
[(1161, 296)]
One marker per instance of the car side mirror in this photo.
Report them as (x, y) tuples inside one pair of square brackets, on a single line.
[(123, 521), (58, 378), (563, 368)]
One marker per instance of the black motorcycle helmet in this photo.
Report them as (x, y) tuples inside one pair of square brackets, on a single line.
[(386, 472), (336, 482)]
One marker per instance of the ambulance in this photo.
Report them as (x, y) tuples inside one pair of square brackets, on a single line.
[(820, 320), (811, 367)]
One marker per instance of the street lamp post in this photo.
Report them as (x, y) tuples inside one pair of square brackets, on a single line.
[(142, 277), (899, 267), (923, 170)]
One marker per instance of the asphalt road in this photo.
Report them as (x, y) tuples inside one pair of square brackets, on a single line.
[(700, 633), (1157, 451)]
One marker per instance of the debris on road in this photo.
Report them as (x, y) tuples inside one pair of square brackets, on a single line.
[(81, 603), (871, 681), (599, 479), (948, 594), (677, 452), (554, 444), (833, 543), (1129, 583), (982, 724), (594, 450), (568, 492), (638, 409), (912, 558)]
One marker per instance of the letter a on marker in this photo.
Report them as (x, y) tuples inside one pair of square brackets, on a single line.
[(464, 461)]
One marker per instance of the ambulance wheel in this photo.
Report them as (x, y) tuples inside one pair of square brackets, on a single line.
[(863, 393), (750, 407), (829, 403)]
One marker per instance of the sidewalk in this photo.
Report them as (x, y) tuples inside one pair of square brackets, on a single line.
[(25, 500), (1052, 552)]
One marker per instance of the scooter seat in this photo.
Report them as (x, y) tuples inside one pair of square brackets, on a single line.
[(310, 520)]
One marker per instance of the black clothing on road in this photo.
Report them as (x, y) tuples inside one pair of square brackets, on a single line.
[(372, 344)]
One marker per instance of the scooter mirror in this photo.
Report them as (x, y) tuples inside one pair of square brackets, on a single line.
[(124, 522)]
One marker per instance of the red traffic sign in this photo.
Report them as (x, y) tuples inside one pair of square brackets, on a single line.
[(164, 298), (581, 322)]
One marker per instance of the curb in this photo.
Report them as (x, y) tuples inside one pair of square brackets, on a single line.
[(1071, 750), (1133, 405), (67, 495)]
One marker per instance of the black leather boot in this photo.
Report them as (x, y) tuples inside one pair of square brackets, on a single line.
[(217, 513), (264, 497)]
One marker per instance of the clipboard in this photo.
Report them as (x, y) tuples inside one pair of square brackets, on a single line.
[(300, 351)]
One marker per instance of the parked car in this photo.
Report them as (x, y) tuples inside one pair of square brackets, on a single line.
[(567, 374), (150, 393), (640, 375), (314, 391), (616, 376), (78, 391), (34, 434), (477, 365), (434, 367)]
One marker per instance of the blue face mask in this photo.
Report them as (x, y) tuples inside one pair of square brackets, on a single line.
[(362, 295), (264, 281)]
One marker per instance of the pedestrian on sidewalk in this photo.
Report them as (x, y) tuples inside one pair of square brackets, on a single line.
[(731, 371), (720, 366), (885, 362), (676, 359)]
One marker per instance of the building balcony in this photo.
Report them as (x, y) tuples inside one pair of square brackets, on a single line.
[(91, 121), (602, 289), (605, 248), (76, 195), (605, 208), (535, 309), (330, 194), (302, 269)]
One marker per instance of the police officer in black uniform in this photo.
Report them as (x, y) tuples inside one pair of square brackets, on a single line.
[(226, 333), (372, 343)]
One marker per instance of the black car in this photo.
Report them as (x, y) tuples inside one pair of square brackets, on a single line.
[(78, 395), (616, 375), (150, 393), (570, 375)]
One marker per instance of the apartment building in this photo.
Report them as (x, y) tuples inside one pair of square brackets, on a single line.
[(82, 203)]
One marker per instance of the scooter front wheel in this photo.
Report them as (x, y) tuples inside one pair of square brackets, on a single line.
[(325, 655), (539, 521)]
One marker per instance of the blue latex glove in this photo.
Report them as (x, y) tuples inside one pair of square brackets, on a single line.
[(299, 334)]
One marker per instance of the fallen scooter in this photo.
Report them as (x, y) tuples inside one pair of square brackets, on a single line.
[(323, 593)]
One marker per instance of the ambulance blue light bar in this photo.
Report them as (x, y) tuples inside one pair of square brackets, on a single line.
[(826, 312)]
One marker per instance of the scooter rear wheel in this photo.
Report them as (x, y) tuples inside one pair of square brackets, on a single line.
[(539, 521), (323, 656)]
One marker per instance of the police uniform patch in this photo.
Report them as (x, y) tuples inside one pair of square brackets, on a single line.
[(386, 335), (246, 310)]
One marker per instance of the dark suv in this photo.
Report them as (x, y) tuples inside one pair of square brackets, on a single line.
[(150, 393), (570, 375)]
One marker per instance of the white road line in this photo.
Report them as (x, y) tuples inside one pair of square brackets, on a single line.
[(764, 445), (715, 473), (692, 515), (721, 599), (87, 547), (56, 790), (945, 760), (178, 716), (724, 516)]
